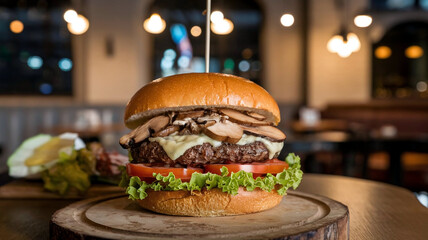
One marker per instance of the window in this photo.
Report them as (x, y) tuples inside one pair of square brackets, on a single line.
[(392, 4), (181, 46), (35, 49), (400, 62), (398, 4)]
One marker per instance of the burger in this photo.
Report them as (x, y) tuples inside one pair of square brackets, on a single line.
[(205, 144)]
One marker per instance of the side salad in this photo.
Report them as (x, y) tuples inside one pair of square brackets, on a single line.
[(64, 162)]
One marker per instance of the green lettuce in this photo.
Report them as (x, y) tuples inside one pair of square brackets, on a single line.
[(289, 178), (73, 170)]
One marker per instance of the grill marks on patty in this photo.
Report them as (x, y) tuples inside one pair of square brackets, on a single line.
[(197, 156)]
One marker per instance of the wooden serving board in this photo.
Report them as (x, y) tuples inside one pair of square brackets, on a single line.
[(299, 216), (24, 189)]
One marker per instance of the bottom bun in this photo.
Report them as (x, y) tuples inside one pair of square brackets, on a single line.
[(212, 202)]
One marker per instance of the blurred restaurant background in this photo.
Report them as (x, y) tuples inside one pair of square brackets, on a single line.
[(350, 76)]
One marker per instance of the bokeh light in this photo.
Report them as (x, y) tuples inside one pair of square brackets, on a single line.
[(223, 27), (169, 54), (155, 24), (247, 53), (287, 20), (343, 48), (244, 66), (353, 42), (229, 65), (178, 33), (35, 62), (65, 64), (79, 25), (363, 21), (70, 16), (196, 31), (183, 61), (334, 43), (45, 88), (383, 52), (217, 16), (414, 51), (166, 63), (344, 51), (421, 86), (16, 26)]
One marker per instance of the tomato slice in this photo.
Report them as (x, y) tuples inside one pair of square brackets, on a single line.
[(146, 173), (258, 169)]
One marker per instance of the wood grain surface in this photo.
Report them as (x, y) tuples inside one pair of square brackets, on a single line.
[(298, 216), (377, 210), (22, 189)]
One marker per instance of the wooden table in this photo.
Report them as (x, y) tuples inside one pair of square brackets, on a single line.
[(377, 210)]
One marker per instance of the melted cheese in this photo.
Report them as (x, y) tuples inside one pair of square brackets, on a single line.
[(176, 145)]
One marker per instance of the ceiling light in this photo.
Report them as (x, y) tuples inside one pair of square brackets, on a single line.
[(287, 20), (223, 27), (353, 42), (155, 24), (344, 45), (346, 42), (70, 15), (217, 16), (79, 25), (363, 21)]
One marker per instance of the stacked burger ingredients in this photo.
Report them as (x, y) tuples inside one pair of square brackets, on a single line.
[(201, 137), (222, 136)]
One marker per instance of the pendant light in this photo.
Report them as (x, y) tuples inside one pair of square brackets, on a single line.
[(345, 42)]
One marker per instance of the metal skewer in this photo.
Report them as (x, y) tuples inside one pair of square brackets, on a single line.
[(207, 38)]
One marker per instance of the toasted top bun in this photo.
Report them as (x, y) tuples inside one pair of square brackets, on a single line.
[(191, 91), (212, 202)]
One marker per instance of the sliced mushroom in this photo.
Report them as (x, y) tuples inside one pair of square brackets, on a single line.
[(256, 116), (167, 131), (171, 116), (142, 132), (185, 131), (181, 122), (241, 118), (224, 131), (194, 127), (126, 141), (265, 131), (213, 117), (209, 123), (190, 114)]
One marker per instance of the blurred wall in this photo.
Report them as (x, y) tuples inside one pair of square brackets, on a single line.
[(332, 78), (281, 51), (113, 77)]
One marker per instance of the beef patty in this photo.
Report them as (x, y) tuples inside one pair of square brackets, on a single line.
[(197, 156)]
